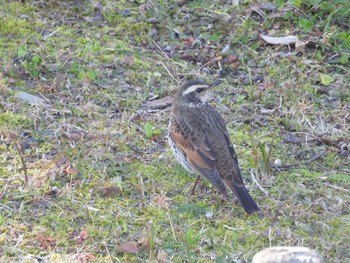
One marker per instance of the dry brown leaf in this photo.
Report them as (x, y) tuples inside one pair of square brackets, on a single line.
[(74, 136), (300, 46), (83, 234), (161, 257), (128, 60), (144, 242), (47, 242), (288, 40), (110, 191), (83, 257), (128, 247), (72, 170), (62, 160), (188, 41)]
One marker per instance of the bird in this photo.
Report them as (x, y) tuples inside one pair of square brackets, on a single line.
[(200, 142)]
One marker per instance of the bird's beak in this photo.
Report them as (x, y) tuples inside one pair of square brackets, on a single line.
[(214, 84)]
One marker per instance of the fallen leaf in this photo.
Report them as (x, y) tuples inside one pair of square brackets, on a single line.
[(46, 242), (160, 104), (128, 247), (144, 242), (327, 140), (231, 59), (300, 46), (128, 60), (161, 257), (326, 79), (72, 170), (83, 257), (74, 136), (111, 191), (62, 160), (288, 254), (265, 8), (83, 235), (288, 40), (289, 137), (188, 41)]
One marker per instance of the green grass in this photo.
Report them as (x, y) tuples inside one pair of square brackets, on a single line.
[(97, 161)]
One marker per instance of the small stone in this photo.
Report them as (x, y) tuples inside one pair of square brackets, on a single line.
[(344, 147), (55, 189), (278, 162), (126, 12), (344, 153), (161, 157), (206, 71), (209, 215), (31, 99), (52, 67), (220, 73), (153, 33), (153, 20)]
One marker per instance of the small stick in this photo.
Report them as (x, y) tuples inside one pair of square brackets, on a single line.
[(52, 33), (285, 167), (172, 227), (257, 183), (211, 61), (337, 187), (18, 148), (109, 254), (195, 184), (160, 50), (167, 70)]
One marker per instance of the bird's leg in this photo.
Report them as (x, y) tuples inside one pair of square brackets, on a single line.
[(195, 184)]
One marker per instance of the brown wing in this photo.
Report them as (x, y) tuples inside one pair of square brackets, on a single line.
[(236, 173), (229, 169), (198, 153)]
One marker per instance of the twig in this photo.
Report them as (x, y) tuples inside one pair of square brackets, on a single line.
[(18, 148), (139, 175), (109, 254), (165, 56), (211, 61), (52, 33), (172, 227), (167, 70), (160, 50), (257, 183), (293, 165), (337, 187)]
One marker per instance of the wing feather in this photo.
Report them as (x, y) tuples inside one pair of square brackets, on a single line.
[(199, 154)]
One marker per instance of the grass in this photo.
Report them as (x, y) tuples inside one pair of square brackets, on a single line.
[(100, 173)]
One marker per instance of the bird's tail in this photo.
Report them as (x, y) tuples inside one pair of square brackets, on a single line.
[(245, 199)]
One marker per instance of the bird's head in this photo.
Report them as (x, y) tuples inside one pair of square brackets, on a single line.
[(196, 91)]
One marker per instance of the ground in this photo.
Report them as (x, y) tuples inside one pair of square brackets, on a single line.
[(86, 174)]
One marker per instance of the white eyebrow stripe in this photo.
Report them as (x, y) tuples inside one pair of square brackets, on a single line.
[(194, 88)]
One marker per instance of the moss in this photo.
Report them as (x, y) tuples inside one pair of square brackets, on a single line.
[(9, 119)]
